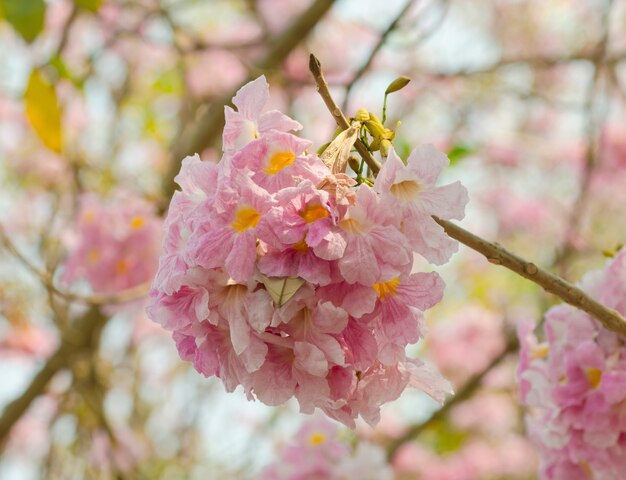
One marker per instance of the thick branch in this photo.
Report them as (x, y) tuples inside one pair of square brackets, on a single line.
[(496, 254), (79, 338), (566, 291), (208, 128)]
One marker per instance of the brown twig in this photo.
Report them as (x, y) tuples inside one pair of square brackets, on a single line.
[(531, 61), (322, 87), (554, 284), (494, 253)]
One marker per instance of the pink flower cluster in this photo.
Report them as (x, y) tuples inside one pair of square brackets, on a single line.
[(318, 451), (574, 384), (116, 244), (291, 281)]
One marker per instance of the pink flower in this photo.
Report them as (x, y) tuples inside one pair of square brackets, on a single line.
[(410, 190), (183, 307), (316, 451), (375, 248), (397, 312), (277, 159), (306, 235), (248, 123), (117, 244), (232, 222), (575, 386), (281, 278)]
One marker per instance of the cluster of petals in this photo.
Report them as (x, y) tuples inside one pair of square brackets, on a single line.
[(574, 385), (291, 281), (319, 451), (116, 243)]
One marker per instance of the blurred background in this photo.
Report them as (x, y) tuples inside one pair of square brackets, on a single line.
[(100, 100)]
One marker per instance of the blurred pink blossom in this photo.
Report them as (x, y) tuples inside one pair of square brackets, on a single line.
[(115, 244), (466, 342), (574, 385)]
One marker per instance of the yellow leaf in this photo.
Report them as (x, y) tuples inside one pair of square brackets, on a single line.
[(43, 111), (281, 289)]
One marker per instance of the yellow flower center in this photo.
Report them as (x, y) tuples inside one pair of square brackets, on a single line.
[(317, 438), (540, 352), (385, 289), (93, 255), (278, 161), (245, 217), (300, 247), (137, 222), (586, 468), (122, 266), (405, 190), (313, 213), (351, 225), (89, 216), (594, 376)]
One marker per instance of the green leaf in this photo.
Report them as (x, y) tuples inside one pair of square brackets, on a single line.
[(459, 152), (398, 84), (91, 5), (26, 16), (43, 111)]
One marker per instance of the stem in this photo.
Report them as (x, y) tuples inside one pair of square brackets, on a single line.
[(494, 253), (384, 119), (322, 88)]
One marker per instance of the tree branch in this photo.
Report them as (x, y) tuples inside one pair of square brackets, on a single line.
[(494, 253), (322, 87), (465, 392), (79, 338), (532, 61)]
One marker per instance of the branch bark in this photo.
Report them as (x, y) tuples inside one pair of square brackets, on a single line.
[(494, 253), (81, 337)]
